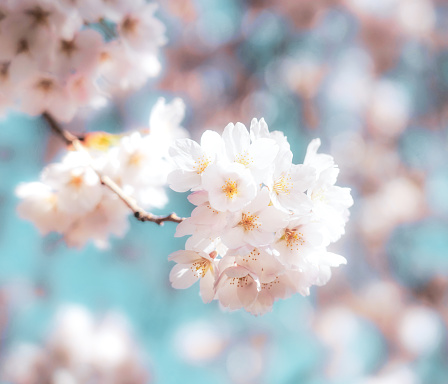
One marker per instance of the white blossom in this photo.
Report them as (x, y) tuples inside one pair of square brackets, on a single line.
[(258, 214)]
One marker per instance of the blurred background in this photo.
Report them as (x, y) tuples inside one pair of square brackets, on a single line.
[(370, 78)]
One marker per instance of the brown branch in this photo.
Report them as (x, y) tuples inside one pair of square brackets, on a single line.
[(139, 213), (68, 137)]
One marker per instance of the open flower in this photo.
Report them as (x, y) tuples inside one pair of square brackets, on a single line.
[(192, 160), (229, 187), (193, 265), (259, 214), (255, 224)]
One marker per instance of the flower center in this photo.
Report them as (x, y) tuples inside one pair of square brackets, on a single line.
[(44, 85), (67, 47), (283, 185), (270, 285), (244, 159), (136, 159), (130, 24), (249, 222), (230, 189), (201, 267), (318, 195), (39, 16), (242, 281), (293, 239), (201, 164), (76, 181)]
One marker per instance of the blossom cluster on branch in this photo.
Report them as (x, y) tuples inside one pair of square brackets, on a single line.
[(70, 198), (59, 55), (262, 225)]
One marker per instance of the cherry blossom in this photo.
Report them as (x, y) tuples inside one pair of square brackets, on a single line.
[(70, 198), (192, 160), (262, 218), (193, 265), (63, 55)]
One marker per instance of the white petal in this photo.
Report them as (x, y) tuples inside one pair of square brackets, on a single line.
[(182, 277), (180, 180), (184, 257), (207, 287)]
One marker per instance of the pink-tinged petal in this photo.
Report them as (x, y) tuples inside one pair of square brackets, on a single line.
[(227, 295), (236, 272), (226, 262), (182, 276), (260, 202), (185, 228), (247, 291), (272, 219), (258, 239), (203, 246), (62, 108), (205, 215), (181, 181), (263, 304), (234, 238), (198, 198), (184, 257), (207, 287)]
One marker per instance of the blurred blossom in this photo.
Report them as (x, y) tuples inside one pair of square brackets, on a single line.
[(370, 77), (200, 342), (79, 349), (420, 330), (398, 201), (396, 373), (244, 364)]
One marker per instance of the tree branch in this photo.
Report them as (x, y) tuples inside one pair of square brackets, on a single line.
[(139, 213)]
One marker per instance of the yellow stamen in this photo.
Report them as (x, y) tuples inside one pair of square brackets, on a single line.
[(294, 239), (230, 188), (249, 222), (283, 185), (244, 159), (201, 267), (318, 195), (201, 164)]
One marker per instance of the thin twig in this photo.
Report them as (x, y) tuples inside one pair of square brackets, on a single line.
[(139, 213), (68, 137)]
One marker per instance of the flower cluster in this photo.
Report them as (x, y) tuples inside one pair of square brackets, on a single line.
[(59, 55), (79, 350), (262, 225), (70, 199)]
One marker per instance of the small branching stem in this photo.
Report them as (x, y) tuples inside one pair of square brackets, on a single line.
[(139, 213)]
